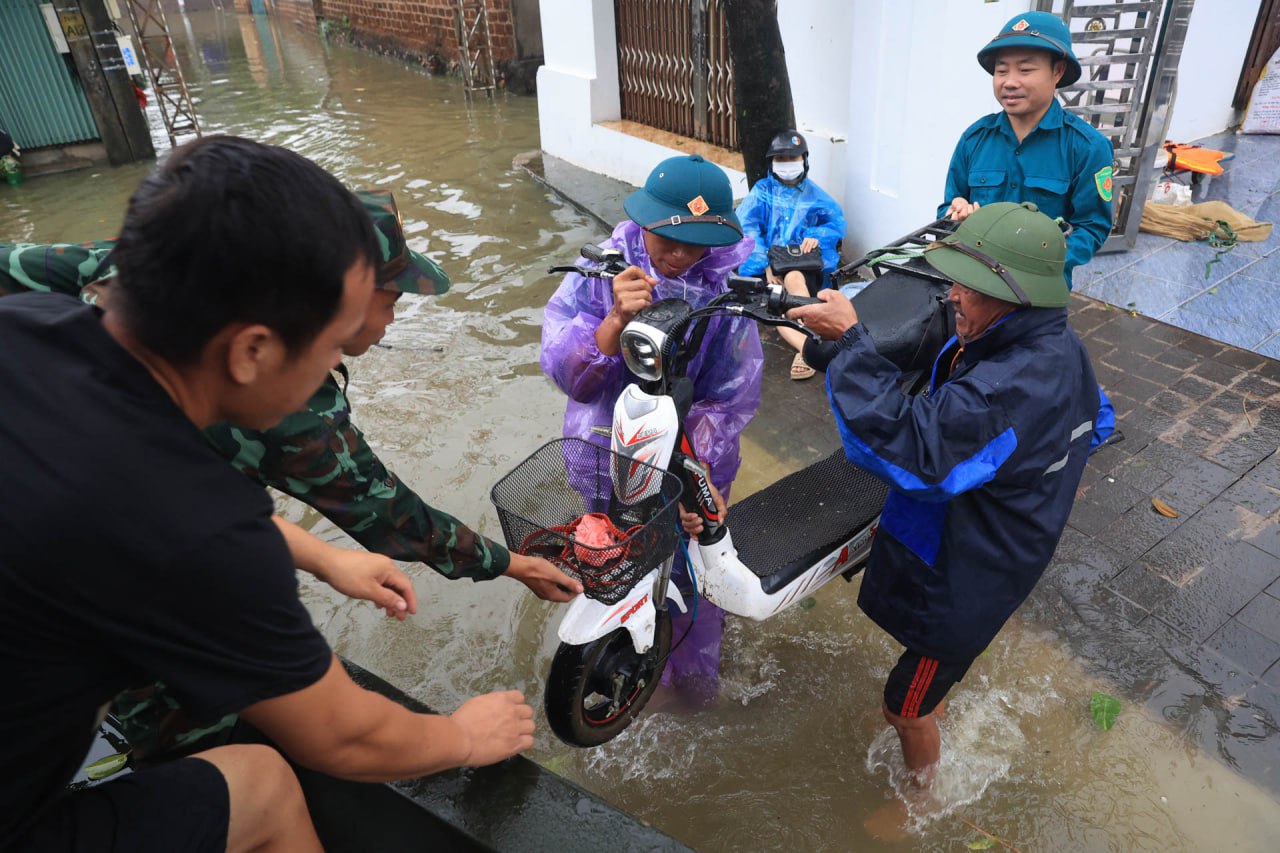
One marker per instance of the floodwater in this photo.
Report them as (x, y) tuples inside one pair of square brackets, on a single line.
[(796, 756)]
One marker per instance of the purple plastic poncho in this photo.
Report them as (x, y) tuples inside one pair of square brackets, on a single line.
[(726, 372), (726, 392)]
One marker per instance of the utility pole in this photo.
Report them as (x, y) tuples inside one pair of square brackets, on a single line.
[(91, 37)]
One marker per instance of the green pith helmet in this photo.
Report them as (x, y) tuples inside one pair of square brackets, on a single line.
[(1010, 251), (401, 269), (1039, 30)]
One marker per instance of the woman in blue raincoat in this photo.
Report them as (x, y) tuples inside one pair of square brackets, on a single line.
[(786, 209), (690, 260)]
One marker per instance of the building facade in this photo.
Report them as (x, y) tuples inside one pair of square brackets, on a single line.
[(882, 89)]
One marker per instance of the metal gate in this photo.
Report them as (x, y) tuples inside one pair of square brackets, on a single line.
[(1129, 51), (673, 68), (40, 103)]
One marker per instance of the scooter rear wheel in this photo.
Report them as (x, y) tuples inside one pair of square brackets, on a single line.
[(584, 681)]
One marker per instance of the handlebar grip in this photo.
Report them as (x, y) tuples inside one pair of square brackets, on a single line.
[(592, 252), (782, 302)]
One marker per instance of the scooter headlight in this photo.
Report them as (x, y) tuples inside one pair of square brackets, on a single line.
[(641, 346)]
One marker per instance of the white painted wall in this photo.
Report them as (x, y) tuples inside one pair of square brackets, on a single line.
[(1217, 40), (818, 38), (916, 86)]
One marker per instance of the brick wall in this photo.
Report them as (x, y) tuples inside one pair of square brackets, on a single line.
[(421, 27)]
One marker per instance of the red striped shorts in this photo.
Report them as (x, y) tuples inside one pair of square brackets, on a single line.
[(918, 683)]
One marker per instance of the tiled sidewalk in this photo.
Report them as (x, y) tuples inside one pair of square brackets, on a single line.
[(1237, 298), (1183, 612)]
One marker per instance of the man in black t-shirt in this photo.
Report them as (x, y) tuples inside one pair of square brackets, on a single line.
[(243, 270)]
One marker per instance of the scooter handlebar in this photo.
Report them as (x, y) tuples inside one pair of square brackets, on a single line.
[(592, 252), (780, 301)]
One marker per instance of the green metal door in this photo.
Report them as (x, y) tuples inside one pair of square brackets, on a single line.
[(40, 102)]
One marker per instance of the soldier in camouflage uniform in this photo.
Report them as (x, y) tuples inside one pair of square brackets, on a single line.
[(318, 455)]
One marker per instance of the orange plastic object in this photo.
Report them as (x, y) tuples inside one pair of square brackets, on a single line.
[(1193, 158)]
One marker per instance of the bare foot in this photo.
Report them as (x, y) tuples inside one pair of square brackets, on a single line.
[(889, 822)]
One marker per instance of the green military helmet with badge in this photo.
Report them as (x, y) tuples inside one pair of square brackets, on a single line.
[(402, 269), (1009, 251), (1038, 30)]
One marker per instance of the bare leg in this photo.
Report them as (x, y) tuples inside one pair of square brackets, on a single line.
[(921, 748), (268, 812), (795, 285), (921, 745)]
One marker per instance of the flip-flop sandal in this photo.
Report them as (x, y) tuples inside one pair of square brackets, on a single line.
[(800, 369)]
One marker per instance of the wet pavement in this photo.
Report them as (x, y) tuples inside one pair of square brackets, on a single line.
[(1181, 613), (1233, 297)]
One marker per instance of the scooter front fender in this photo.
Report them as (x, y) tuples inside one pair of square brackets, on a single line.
[(587, 619)]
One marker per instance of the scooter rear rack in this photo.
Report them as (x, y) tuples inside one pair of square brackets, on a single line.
[(912, 243)]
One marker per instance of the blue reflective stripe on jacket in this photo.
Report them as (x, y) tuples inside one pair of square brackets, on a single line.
[(1058, 166), (983, 471), (774, 214)]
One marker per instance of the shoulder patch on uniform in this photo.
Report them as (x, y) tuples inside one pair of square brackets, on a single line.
[(1103, 180)]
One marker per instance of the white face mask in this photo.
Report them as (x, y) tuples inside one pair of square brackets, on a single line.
[(788, 171)]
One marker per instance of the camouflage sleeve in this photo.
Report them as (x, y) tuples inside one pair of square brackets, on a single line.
[(57, 268), (321, 458)]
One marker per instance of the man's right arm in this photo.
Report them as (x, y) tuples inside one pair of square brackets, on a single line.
[(957, 186), (321, 458), (56, 268), (339, 728), (931, 447)]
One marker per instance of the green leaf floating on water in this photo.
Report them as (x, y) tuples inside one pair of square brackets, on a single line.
[(556, 764), (104, 767), (982, 844), (808, 603), (1104, 709)]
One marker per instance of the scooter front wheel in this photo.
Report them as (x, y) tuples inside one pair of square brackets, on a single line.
[(595, 690)]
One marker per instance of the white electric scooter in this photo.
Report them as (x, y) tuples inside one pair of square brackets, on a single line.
[(616, 637)]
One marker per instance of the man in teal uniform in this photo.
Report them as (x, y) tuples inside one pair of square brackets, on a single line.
[(318, 455), (1034, 150)]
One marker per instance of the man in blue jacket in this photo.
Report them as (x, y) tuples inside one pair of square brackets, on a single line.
[(1034, 150), (983, 468)]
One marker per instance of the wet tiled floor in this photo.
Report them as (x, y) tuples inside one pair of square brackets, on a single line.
[(1232, 297)]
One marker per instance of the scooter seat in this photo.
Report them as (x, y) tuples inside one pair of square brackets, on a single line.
[(783, 530)]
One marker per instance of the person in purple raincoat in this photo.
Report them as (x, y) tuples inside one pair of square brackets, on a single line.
[(682, 240)]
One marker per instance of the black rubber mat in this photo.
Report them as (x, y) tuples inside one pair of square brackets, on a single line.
[(784, 529)]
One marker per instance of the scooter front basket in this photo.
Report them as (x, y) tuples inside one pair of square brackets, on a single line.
[(560, 504)]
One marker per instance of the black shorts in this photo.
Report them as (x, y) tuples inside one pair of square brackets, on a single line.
[(918, 683), (183, 805)]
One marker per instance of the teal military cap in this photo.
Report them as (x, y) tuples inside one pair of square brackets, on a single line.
[(1039, 30), (688, 200)]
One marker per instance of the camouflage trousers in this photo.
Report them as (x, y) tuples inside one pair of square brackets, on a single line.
[(157, 728)]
